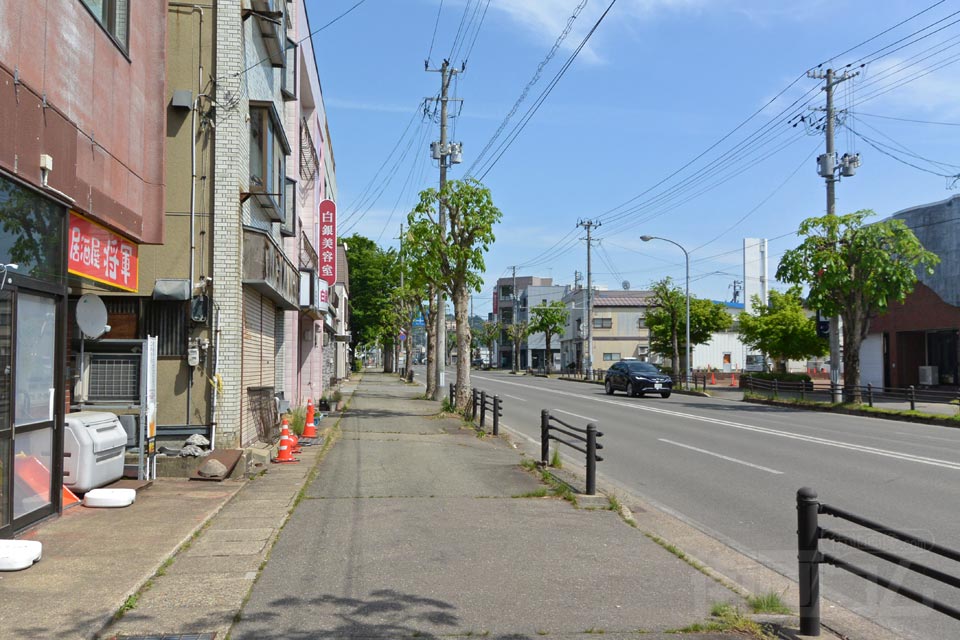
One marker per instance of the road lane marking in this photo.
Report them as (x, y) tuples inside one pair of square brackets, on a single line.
[(722, 457), (907, 457), (575, 415), (506, 395)]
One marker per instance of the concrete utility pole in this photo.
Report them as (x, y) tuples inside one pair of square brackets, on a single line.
[(446, 73), (516, 320), (589, 225), (828, 169)]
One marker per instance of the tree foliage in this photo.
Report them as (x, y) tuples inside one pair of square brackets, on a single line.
[(667, 321), (487, 335), (373, 277), (855, 270), (782, 328), (549, 319), (452, 256)]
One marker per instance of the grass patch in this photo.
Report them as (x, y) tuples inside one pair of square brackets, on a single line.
[(727, 620), (769, 602), (128, 605), (529, 464), (614, 504), (163, 567), (555, 459), (538, 493)]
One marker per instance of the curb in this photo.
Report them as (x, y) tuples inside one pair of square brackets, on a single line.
[(945, 421)]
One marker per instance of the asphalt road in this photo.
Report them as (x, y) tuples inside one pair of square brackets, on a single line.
[(732, 470)]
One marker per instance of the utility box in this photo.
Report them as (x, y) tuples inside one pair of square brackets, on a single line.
[(93, 446), (929, 376)]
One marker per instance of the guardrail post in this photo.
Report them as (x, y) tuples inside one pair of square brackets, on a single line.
[(803, 390), (483, 407), (496, 415), (776, 388), (591, 459), (869, 394), (451, 394), (808, 556), (544, 437), (912, 393)]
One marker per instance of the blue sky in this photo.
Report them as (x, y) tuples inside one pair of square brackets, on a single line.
[(658, 83)]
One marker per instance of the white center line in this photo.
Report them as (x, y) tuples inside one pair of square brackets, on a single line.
[(722, 457), (514, 397), (575, 415)]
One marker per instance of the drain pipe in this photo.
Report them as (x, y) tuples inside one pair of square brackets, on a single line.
[(216, 383)]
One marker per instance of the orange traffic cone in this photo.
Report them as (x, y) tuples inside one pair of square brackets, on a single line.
[(713, 378), (309, 429), (284, 449), (733, 379)]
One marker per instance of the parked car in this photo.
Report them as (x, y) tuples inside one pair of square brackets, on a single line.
[(477, 362), (637, 378)]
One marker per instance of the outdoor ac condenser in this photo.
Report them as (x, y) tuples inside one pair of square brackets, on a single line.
[(929, 376)]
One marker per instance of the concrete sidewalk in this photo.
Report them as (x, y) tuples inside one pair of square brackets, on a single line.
[(415, 527)]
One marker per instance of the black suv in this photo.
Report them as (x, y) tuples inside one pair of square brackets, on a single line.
[(637, 378)]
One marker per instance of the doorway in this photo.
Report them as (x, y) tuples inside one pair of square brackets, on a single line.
[(30, 404)]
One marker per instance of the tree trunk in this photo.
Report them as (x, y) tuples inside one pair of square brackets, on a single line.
[(461, 307), (408, 348), (547, 358), (388, 359), (854, 328)]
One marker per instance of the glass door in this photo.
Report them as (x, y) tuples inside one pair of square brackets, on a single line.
[(6, 414), (35, 393)]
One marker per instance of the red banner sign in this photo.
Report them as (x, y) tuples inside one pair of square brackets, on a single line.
[(328, 245), (99, 254)]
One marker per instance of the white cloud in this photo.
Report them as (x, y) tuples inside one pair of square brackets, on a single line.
[(546, 19)]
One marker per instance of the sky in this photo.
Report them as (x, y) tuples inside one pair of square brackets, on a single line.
[(675, 119)]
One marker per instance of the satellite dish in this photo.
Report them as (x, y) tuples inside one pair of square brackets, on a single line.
[(626, 285), (92, 316)]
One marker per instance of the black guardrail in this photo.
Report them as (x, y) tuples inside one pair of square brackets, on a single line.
[(868, 394), (588, 436), (810, 557), (483, 402)]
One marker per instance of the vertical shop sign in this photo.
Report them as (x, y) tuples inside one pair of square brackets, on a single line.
[(328, 245), (99, 254)]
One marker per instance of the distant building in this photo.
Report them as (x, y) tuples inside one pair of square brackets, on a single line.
[(619, 328), (917, 342)]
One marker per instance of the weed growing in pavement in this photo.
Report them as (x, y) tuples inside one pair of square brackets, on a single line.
[(769, 602), (128, 605), (166, 565), (529, 464), (728, 619), (614, 504), (537, 493), (555, 459)]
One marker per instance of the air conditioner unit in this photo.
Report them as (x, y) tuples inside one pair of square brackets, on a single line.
[(929, 376)]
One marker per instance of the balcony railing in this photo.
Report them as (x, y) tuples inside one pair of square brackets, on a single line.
[(269, 271)]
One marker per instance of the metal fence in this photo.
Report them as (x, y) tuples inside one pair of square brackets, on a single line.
[(550, 426), (870, 395), (481, 403), (810, 557)]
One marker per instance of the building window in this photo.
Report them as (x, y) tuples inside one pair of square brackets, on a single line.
[(611, 357), (268, 150), (113, 16), (603, 323)]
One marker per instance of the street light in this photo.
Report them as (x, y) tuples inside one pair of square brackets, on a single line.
[(687, 258)]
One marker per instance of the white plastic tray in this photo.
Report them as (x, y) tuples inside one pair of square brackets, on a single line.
[(109, 498), (19, 554)]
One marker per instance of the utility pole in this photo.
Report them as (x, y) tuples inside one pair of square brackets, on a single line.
[(737, 286), (589, 225), (443, 152), (831, 171), (516, 320)]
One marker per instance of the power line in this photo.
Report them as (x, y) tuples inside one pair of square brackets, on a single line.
[(543, 96), (875, 115), (426, 63)]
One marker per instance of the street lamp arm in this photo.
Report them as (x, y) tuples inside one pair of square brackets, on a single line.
[(686, 255)]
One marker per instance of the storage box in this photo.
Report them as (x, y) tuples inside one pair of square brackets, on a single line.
[(93, 446)]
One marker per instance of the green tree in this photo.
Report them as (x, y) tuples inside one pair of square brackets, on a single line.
[(548, 319), (452, 256), (782, 329), (517, 332), (487, 335), (373, 276), (667, 321), (855, 270)]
